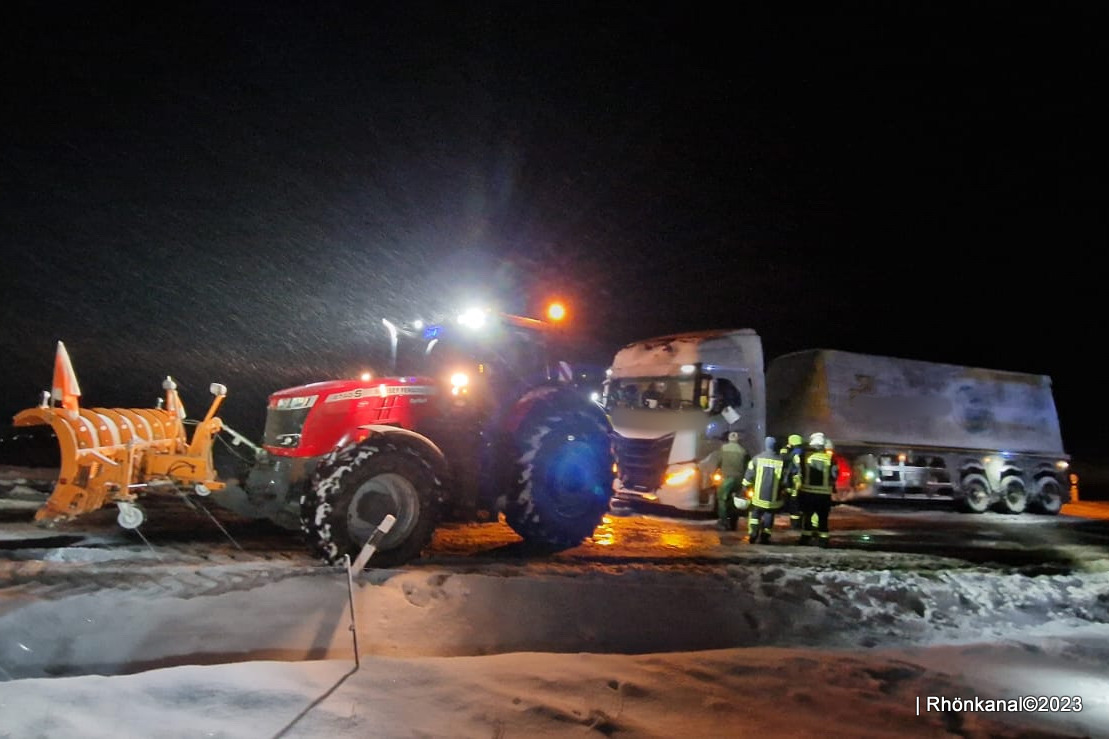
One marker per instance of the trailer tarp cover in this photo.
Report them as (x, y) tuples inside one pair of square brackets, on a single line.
[(865, 398)]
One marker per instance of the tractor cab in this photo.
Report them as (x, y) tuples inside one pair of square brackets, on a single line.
[(484, 359)]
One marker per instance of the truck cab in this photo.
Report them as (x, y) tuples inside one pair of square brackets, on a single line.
[(672, 400)]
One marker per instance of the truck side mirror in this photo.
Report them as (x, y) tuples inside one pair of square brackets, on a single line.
[(713, 406)]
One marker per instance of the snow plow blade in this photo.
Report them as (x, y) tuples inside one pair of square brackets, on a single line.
[(113, 455)]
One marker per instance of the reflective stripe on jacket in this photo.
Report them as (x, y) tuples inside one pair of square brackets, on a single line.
[(818, 474), (764, 477)]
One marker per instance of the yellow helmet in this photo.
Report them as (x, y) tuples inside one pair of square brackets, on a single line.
[(795, 440)]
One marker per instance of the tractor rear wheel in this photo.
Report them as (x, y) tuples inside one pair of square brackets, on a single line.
[(355, 488), (564, 478)]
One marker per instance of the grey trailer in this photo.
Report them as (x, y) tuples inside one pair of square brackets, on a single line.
[(920, 430)]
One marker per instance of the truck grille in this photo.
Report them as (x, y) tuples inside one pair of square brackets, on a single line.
[(643, 461)]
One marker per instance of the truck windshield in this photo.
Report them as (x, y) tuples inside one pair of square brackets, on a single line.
[(656, 393)]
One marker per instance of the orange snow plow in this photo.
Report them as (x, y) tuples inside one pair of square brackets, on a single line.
[(113, 455)]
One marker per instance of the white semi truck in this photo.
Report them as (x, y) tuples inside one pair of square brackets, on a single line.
[(904, 429)]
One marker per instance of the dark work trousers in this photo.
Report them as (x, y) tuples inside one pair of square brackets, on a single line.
[(818, 503), (760, 521), (794, 512)]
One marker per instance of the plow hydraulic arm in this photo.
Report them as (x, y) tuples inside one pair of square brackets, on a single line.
[(112, 455)]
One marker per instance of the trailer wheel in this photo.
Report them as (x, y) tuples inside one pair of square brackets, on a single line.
[(1049, 497), (565, 476), (1014, 497), (355, 488), (976, 494)]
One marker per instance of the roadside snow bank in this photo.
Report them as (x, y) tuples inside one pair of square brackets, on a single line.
[(236, 613)]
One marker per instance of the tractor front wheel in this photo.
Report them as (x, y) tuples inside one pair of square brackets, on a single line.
[(353, 491)]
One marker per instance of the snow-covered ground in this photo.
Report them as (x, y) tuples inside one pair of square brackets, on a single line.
[(779, 641)]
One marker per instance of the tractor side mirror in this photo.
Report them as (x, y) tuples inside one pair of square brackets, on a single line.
[(217, 389)]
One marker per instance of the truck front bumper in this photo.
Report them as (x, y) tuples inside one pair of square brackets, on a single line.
[(686, 497)]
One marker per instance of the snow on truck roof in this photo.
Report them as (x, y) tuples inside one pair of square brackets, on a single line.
[(656, 354), (693, 336)]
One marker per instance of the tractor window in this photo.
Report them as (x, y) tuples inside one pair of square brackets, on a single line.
[(507, 356), (522, 356)]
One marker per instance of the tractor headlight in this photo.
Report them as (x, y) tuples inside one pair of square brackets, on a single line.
[(459, 381)]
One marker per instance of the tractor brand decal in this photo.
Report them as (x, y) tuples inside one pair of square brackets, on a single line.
[(360, 392), (381, 391), (288, 404), (408, 390)]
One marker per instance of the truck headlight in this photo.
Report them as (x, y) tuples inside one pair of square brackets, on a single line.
[(680, 476)]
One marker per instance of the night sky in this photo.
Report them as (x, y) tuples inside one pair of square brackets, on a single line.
[(240, 192)]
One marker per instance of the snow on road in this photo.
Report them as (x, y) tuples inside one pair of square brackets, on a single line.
[(779, 640), (719, 693)]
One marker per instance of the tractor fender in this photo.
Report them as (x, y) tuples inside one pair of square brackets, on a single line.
[(402, 437)]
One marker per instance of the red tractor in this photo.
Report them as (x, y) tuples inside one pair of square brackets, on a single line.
[(483, 425)]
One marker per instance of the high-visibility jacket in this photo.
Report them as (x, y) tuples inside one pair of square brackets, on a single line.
[(764, 479), (791, 475), (818, 472), (733, 458)]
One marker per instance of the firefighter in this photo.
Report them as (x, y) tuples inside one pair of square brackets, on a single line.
[(814, 495), (791, 456), (733, 458), (762, 485)]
